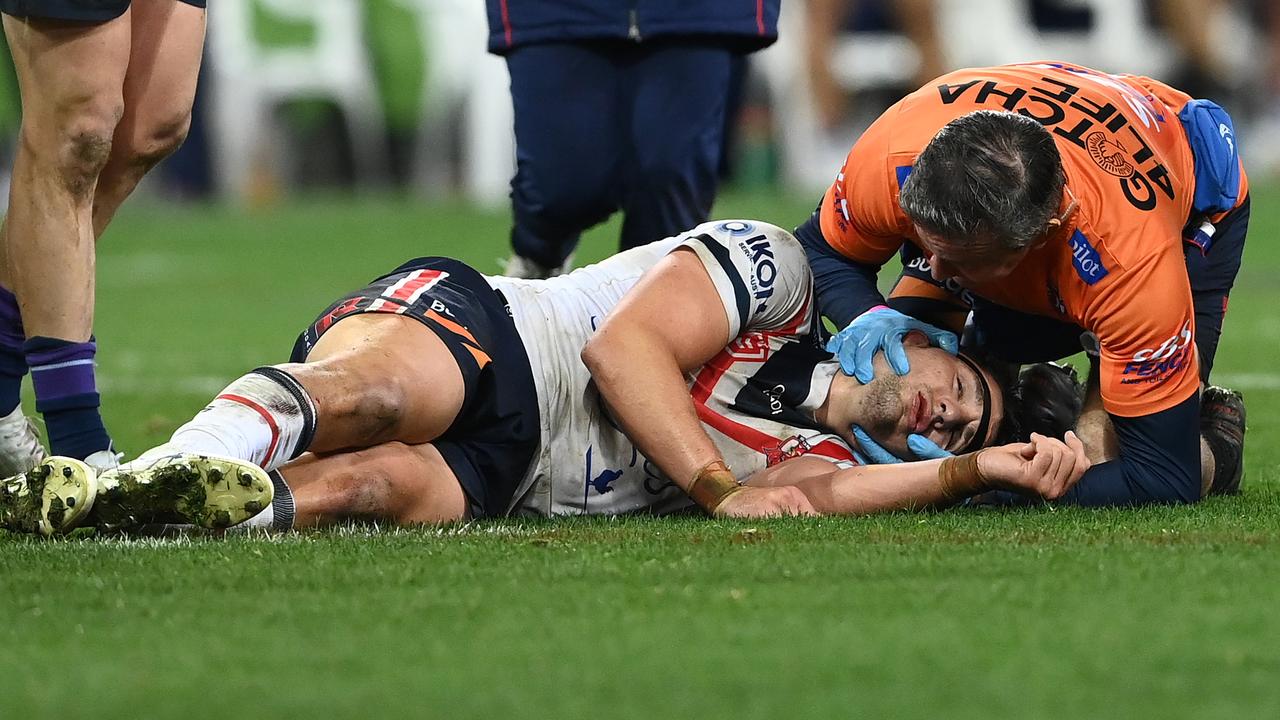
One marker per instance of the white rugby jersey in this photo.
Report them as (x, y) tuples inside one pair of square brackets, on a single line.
[(756, 399)]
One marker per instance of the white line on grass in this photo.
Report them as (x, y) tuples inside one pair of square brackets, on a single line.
[(1247, 381)]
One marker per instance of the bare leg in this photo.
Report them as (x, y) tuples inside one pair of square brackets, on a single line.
[(164, 64), (919, 21), (404, 484), (71, 79), (370, 379), (823, 19), (1185, 22), (377, 378)]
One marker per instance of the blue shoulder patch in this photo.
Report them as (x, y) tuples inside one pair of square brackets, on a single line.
[(902, 171), (1086, 259)]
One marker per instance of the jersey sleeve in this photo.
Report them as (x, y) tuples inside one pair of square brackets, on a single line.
[(1146, 330), (759, 271), (859, 214)]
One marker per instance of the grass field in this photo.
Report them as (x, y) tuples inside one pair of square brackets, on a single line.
[(1160, 613)]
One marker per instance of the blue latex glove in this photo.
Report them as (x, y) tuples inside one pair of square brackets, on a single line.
[(922, 447), (882, 328)]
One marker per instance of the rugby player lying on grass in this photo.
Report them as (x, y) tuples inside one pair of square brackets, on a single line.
[(437, 394)]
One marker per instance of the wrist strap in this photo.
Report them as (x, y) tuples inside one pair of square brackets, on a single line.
[(960, 477), (713, 484)]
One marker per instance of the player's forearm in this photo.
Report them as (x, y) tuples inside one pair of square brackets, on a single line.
[(645, 391), (845, 288), (865, 489)]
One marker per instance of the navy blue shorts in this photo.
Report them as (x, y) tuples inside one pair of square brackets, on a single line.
[(85, 11), (493, 441)]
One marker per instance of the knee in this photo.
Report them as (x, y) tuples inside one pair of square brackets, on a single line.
[(352, 394), (690, 165), (570, 201), (154, 140), (80, 144), (364, 488), (382, 406)]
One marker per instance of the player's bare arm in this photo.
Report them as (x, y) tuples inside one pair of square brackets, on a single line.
[(670, 324), (1044, 469)]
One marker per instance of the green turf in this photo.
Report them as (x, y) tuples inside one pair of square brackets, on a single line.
[(1163, 612)]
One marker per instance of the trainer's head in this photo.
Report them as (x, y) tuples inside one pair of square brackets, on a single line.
[(983, 193)]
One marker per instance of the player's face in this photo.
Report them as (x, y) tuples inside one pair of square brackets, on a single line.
[(971, 264), (941, 399)]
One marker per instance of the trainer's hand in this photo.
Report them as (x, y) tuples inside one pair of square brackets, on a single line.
[(762, 502), (922, 447), (882, 328), (1044, 467)]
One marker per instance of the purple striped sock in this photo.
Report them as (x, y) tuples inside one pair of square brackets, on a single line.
[(67, 395), (60, 372), (13, 363)]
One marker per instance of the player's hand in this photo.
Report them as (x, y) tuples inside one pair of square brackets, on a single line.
[(882, 328), (873, 454), (1044, 467), (763, 502)]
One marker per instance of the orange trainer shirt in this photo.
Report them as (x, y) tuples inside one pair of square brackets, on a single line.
[(1119, 270)]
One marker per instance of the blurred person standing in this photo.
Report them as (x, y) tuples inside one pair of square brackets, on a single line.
[(619, 105), (106, 89), (826, 19)]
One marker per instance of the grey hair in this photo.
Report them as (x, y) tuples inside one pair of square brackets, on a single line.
[(986, 174)]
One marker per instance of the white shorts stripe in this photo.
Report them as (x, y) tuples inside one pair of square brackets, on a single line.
[(402, 282), (57, 366)]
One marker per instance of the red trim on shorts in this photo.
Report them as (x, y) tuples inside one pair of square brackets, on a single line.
[(506, 21), (266, 415), (417, 282), (759, 16)]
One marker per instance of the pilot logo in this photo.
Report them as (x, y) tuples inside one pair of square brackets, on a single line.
[(775, 398), (1086, 259), (1109, 154), (1225, 132)]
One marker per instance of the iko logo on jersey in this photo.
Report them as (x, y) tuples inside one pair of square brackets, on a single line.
[(1086, 259), (1155, 365), (764, 270)]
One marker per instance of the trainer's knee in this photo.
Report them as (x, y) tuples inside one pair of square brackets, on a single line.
[(78, 143)]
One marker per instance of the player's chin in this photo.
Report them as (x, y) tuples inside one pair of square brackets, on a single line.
[(896, 442)]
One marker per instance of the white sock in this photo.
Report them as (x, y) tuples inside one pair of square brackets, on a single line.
[(278, 515), (265, 417), (265, 520)]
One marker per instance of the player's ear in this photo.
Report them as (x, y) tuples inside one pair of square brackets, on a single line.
[(915, 338)]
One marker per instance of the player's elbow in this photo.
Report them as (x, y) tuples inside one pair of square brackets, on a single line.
[(593, 354), (600, 354)]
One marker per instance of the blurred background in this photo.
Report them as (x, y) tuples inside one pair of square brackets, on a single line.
[(400, 96)]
